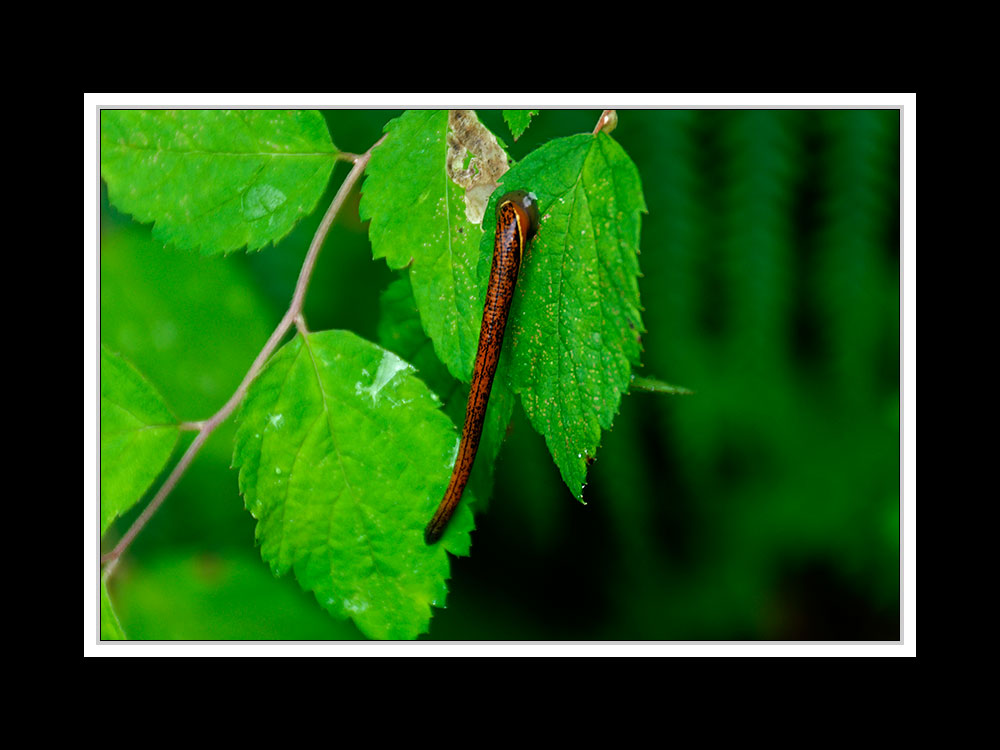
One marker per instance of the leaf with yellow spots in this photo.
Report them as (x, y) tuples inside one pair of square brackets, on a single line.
[(343, 455), (216, 180), (575, 321)]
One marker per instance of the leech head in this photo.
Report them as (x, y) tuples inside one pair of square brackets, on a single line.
[(526, 206)]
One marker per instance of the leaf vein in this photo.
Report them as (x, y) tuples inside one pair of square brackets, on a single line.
[(340, 460)]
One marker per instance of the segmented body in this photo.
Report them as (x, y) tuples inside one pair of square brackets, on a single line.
[(517, 221)]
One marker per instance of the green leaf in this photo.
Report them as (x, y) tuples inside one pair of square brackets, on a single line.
[(658, 386), (216, 179), (425, 192), (111, 629), (343, 456), (575, 323), (575, 319), (138, 434), (518, 120)]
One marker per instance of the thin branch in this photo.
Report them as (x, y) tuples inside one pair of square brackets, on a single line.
[(292, 317)]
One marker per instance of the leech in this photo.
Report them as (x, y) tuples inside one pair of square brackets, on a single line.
[(517, 222)]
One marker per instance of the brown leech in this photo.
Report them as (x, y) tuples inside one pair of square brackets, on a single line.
[(517, 222)]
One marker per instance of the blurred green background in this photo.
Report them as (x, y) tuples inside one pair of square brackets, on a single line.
[(765, 506)]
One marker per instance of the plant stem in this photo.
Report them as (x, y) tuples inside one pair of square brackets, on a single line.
[(292, 317), (606, 122)]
